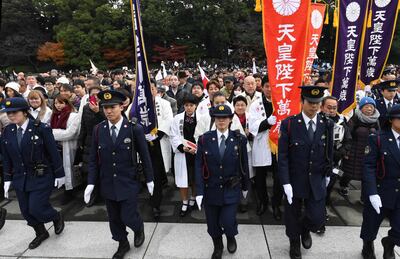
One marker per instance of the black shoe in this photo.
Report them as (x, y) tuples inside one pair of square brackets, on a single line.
[(321, 230), (59, 224), (261, 208), (218, 248), (3, 214), (277, 213), (41, 235), (231, 244), (243, 208), (388, 248), (295, 252), (156, 214), (139, 238), (306, 240), (368, 251), (123, 248), (183, 213)]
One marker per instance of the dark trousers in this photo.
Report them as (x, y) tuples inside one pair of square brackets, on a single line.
[(298, 221), (329, 188), (122, 214), (261, 184), (372, 221), (221, 219), (158, 172), (35, 206)]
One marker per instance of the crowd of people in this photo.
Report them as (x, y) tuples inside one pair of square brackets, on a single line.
[(71, 105)]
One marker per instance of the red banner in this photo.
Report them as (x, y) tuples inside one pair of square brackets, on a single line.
[(285, 26), (315, 26)]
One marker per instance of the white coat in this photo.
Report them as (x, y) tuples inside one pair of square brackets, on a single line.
[(69, 140), (47, 116), (203, 107), (249, 151), (176, 136), (261, 155), (257, 97), (164, 119)]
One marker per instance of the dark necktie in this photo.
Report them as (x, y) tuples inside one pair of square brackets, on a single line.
[(310, 130), (389, 106), (113, 133), (19, 136), (222, 147)]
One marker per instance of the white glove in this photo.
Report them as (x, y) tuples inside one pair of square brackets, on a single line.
[(327, 180), (289, 192), (6, 188), (150, 187), (335, 171), (59, 182), (88, 192), (376, 202), (199, 200), (244, 194), (271, 120), (150, 137)]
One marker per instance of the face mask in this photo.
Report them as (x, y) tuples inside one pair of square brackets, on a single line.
[(236, 93)]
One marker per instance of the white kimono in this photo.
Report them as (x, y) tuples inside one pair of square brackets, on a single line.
[(261, 155), (69, 140), (176, 136), (164, 119)]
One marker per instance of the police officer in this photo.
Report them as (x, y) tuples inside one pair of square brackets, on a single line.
[(221, 174), (33, 165), (385, 104), (112, 159), (381, 184), (304, 164)]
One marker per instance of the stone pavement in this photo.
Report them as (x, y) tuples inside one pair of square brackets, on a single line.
[(174, 240)]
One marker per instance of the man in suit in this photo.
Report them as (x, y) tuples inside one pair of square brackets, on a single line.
[(385, 104), (221, 174), (381, 184), (304, 164), (112, 160)]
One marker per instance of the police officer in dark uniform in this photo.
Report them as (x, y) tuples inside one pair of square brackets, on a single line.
[(387, 101), (33, 165), (381, 184), (113, 160), (305, 164), (221, 174)]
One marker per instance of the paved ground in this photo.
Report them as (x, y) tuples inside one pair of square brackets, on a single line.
[(87, 234)]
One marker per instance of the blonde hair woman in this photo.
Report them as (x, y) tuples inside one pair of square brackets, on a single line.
[(38, 107)]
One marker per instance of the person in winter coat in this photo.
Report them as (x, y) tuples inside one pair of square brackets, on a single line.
[(91, 116), (65, 124), (38, 107), (364, 122)]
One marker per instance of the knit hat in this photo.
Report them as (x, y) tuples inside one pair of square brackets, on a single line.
[(366, 100)]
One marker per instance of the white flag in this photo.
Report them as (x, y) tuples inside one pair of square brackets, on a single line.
[(94, 68), (159, 75), (254, 66), (164, 71)]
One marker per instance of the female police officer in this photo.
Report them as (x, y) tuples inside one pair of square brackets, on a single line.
[(381, 183), (32, 164), (221, 173)]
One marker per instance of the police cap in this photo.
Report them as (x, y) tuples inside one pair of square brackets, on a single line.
[(390, 85), (312, 93), (15, 104), (394, 112), (110, 97), (222, 111)]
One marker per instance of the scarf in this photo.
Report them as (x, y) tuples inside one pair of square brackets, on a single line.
[(242, 118), (59, 118), (367, 119)]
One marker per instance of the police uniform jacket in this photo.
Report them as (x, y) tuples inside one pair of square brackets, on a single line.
[(382, 108), (114, 164), (18, 163), (208, 162), (382, 168), (302, 163)]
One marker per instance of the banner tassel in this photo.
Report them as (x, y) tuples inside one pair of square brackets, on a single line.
[(327, 16), (336, 18), (258, 6), (369, 21)]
